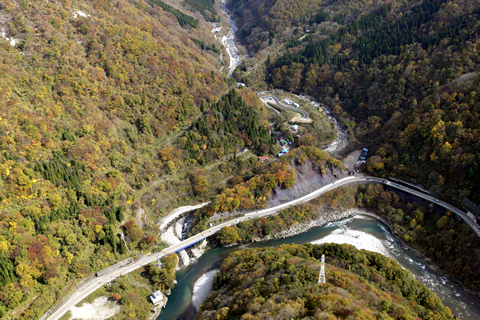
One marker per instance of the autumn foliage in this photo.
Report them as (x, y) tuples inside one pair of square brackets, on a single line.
[(88, 92), (274, 282)]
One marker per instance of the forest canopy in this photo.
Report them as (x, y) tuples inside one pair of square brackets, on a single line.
[(282, 282)]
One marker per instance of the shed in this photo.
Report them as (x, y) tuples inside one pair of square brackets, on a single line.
[(156, 297), (295, 127)]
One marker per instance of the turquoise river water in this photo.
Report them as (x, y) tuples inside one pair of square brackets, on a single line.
[(361, 231)]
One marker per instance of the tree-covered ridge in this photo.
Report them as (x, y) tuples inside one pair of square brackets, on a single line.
[(285, 20), (89, 91), (372, 37), (227, 126), (282, 282), (247, 192), (414, 104)]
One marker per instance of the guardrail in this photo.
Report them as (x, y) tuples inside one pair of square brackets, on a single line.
[(191, 244)]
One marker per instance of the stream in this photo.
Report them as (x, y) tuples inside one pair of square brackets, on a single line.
[(361, 231), (229, 42)]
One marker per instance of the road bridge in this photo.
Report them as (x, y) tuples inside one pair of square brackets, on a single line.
[(94, 284)]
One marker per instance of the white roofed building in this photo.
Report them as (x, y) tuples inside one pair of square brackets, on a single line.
[(156, 297)]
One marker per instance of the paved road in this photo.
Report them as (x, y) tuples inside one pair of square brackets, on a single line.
[(96, 283), (434, 200), (304, 113)]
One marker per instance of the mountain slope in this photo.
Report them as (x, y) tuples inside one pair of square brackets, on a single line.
[(407, 76), (90, 93)]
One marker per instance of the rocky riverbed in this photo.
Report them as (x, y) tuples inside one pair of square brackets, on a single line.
[(173, 229)]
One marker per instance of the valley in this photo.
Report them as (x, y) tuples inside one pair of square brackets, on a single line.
[(125, 134)]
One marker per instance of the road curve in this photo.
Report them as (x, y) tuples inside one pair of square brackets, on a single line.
[(304, 113), (97, 282), (139, 284)]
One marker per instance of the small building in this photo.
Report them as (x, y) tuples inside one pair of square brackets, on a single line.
[(296, 105), (244, 149), (284, 150), (294, 127), (287, 101), (156, 297), (298, 136), (263, 158), (280, 154)]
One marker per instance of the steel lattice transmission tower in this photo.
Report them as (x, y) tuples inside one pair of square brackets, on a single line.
[(321, 277)]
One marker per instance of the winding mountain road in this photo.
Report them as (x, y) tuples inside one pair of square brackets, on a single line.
[(95, 283), (304, 113)]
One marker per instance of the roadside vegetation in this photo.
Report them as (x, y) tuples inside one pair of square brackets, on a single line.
[(253, 191)]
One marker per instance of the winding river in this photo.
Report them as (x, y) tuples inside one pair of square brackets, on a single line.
[(361, 231)]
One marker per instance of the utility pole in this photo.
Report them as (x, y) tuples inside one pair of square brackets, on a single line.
[(321, 277)]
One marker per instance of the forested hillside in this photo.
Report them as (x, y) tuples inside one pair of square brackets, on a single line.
[(226, 125), (90, 93), (266, 25), (282, 283), (408, 77)]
